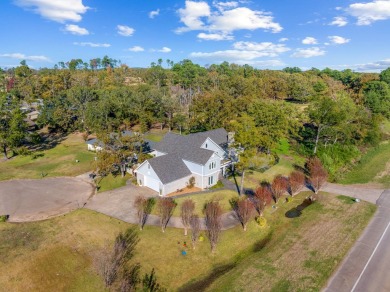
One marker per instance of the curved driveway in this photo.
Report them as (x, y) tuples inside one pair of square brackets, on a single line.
[(38, 199)]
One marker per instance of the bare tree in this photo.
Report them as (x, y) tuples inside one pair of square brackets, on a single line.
[(195, 229), (165, 209), (261, 198), (187, 209), (296, 182), (318, 174), (144, 208), (244, 210), (278, 187), (213, 213), (111, 263), (130, 278)]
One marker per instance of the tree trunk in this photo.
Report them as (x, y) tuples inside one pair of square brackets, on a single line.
[(185, 231), (244, 226), (5, 152), (242, 183), (317, 138)]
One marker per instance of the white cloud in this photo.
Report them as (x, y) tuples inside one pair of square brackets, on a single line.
[(20, 56), (236, 55), (75, 29), (243, 18), (125, 30), (191, 15), (226, 19), (308, 53), (60, 11), (265, 49), (215, 36), (154, 13), (136, 49), (309, 41), (338, 40), (283, 40), (339, 21), (367, 13), (225, 5), (162, 50), (92, 45), (372, 67)]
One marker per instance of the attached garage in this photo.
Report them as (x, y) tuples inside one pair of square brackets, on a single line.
[(152, 184)]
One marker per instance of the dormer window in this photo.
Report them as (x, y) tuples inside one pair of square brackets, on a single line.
[(206, 145)]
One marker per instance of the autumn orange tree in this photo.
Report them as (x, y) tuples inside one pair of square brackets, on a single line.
[(187, 210), (165, 208), (213, 213), (296, 182), (278, 187), (261, 198), (317, 173), (243, 209)]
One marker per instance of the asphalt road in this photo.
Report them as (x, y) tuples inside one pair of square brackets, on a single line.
[(367, 266)]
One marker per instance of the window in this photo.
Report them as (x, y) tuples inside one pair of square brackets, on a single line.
[(211, 180), (213, 165), (206, 145), (148, 166)]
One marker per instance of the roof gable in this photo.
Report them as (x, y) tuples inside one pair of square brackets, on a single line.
[(169, 168)]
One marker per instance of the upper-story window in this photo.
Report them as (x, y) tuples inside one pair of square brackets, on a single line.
[(206, 145), (212, 165)]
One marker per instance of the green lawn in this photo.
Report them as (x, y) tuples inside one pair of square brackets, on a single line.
[(111, 182), (222, 196), (58, 161), (374, 166), (58, 254), (284, 167)]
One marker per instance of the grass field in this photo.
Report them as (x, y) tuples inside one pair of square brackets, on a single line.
[(58, 254), (57, 161), (374, 166), (284, 167), (222, 196), (111, 182)]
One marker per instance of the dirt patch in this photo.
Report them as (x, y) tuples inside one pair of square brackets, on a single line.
[(184, 191)]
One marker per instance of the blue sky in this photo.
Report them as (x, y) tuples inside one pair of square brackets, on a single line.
[(264, 34)]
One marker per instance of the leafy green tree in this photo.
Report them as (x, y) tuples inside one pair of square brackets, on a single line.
[(377, 97), (13, 128), (385, 76)]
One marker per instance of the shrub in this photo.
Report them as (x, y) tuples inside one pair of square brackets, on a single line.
[(261, 221), (22, 151), (218, 185), (191, 182), (4, 218)]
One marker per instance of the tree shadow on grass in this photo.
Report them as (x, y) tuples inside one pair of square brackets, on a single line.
[(297, 211)]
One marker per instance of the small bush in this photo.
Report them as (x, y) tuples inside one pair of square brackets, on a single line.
[(191, 182), (22, 151), (4, 218), (261, 221), (218, 185)]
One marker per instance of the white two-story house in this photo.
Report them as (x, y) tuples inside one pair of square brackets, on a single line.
[(178, 158)]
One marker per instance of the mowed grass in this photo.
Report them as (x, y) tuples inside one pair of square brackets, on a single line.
[(372, 167), (285, 166), (111, 182), (222, 196), (58, 161), (58, 254)]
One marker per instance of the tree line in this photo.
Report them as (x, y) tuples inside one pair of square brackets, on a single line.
[(330, 113)]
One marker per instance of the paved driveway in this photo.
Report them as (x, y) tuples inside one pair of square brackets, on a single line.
[(38, 199)]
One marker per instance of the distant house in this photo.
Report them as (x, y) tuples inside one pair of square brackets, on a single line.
[(33, 116), (178, 158), (96, 145)]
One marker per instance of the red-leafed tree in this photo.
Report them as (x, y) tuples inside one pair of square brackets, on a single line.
[(318, 174), (279, 187), (144, 207), (296, 182), (262, 198), (165, 208), (213, 213), (187, 210), (244, 210)]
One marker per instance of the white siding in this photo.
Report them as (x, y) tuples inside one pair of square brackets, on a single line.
[(212, 165), (175, 185), (147, 170), (194, 167), (211, 145)]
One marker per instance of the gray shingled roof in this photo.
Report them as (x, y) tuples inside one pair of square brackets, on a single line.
[(169, 168), (95, 141)]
